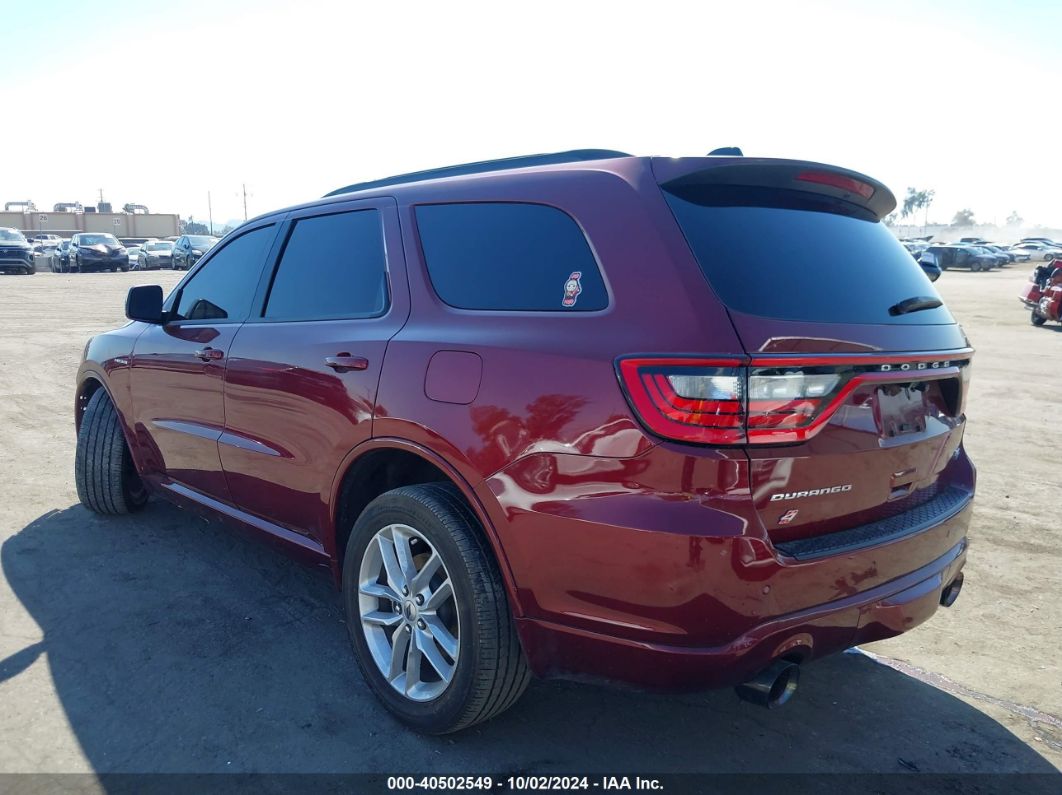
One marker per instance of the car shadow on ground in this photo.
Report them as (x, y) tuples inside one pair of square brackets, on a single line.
[(176, 645)]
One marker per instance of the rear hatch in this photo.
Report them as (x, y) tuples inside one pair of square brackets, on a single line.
[(855, 373)]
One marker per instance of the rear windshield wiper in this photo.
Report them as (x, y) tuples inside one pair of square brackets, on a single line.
[(915, 304)]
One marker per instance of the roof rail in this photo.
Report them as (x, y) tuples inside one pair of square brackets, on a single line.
[(482, 167)]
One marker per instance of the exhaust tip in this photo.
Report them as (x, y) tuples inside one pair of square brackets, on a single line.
[(773, 686), (951, 591)]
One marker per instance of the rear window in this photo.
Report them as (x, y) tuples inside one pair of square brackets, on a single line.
[(787, 255), (508, 256)]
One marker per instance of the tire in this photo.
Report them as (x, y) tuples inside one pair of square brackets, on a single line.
[(106, 478), (1037, 319), (488, 672)]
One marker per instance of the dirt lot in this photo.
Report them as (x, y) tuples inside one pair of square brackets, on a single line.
[(161, 642)]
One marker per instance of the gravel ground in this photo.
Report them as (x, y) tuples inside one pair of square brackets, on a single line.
[(164, 643)]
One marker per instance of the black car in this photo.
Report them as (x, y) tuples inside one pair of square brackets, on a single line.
[(189, 248), (961, 256), (97, 251), (156, 254), (16, 254), (59, 260)]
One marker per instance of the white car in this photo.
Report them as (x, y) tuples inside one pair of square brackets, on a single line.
[(44, 241), (1037, 251)]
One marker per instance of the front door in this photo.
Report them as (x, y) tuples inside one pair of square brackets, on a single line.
[(301, 382), (178, 368)]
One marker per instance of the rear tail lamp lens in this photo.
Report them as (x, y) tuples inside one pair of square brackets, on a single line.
[(728, 401), (690, 400), (792, 385), (712, 401)]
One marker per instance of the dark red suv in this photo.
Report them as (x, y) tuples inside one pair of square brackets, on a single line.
[(679, 423)]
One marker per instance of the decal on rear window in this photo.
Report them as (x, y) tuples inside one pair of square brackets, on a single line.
[(572, 288)]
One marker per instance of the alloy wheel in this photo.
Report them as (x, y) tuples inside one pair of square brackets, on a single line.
[(408, 612)]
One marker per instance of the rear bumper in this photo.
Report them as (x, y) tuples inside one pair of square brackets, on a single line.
[(883, 612), (639, 579)]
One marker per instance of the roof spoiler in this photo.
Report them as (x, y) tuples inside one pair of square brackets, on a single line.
[(483, 167), (795, 175)]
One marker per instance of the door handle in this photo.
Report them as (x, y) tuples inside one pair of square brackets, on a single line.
[(209, 354), (344, 362)]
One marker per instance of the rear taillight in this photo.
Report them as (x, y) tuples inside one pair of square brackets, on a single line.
[(689, 400), (769, 400)]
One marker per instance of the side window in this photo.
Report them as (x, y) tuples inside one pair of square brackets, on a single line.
[(333, 266), (523, 257), (224, 287)]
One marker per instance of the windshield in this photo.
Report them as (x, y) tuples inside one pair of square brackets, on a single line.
[(98, 240), (12, 236), (162, 246), (202, 241), (792, 256)]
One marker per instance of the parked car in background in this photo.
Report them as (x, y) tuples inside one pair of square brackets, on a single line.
[(189, 248), (996, 248), (915, 247), (59, 259), (16, 253), (1000, 259), (45, 242), (1037, 250), (133, 252), (1045, 240), (954, 255), (490, 437), (156, 254), (97, 251)]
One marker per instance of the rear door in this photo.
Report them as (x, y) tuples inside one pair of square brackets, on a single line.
[(856, 370), (301, 383), (178, 367)]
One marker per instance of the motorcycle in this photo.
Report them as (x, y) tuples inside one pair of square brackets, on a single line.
[(1043, 293)]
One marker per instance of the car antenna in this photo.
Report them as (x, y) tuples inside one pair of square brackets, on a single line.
[(727, 151)]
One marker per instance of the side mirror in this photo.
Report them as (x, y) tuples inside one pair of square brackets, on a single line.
[(144, 304), (929, 265)]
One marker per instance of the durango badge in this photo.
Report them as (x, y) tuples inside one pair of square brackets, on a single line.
[(572, 288), (795, 495)]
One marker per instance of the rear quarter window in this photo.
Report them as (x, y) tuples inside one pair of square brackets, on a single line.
[(509, 256), (787, 255)]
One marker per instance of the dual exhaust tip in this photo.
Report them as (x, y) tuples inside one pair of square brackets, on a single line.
[(777, 683)]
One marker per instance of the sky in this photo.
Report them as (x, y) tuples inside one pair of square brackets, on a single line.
[(161, 103)]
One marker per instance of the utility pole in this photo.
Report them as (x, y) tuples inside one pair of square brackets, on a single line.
[(210, 214), (244, 186)]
